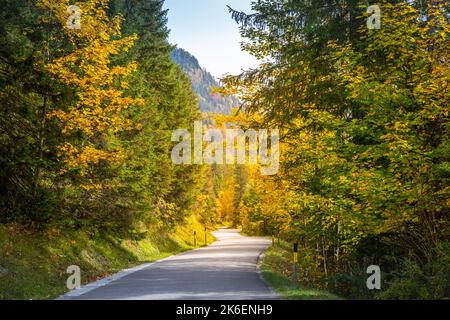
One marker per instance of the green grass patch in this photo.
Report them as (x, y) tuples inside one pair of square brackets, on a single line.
[(277, 271), (33, 265)]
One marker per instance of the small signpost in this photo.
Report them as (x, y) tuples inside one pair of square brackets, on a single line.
[(296, 265)]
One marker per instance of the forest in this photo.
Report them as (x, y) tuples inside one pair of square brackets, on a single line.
[(363, 118), (87, 115), (86, 120)]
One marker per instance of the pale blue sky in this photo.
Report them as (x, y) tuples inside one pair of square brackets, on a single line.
[(206, 30)]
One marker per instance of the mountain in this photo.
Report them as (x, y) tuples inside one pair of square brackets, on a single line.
[(202, 82)]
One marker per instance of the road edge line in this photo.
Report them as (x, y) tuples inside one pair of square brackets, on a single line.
[(259, 262)]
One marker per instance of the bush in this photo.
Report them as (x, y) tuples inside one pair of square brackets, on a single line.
[(422, 281)]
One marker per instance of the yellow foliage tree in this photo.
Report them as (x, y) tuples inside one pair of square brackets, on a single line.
[(86, 65), (225, 201)]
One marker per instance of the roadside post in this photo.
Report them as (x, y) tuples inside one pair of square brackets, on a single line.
[(195, 239), (206, 240), (296, 265)]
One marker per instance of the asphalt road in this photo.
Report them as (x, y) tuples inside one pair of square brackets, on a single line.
[(222, 271)]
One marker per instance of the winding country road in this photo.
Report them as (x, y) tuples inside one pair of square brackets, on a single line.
[(222, 271)]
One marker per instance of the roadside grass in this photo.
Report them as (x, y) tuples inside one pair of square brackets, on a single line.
[(274, 270), (33, 265)]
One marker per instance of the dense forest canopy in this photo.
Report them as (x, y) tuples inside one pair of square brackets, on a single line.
[(87, 115), (365, 150)]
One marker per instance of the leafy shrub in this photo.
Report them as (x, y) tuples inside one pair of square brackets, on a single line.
[(416, 280)]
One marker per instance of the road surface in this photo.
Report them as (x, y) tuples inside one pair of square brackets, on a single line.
[(222, 271)]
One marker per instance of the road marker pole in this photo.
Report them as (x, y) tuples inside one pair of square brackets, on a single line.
[(295, 265), (195, 239), (206, 239)]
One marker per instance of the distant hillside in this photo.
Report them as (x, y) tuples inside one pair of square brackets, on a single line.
[(202, 81)]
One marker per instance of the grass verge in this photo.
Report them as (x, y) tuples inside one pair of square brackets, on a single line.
[(33, 265), (274, 270)]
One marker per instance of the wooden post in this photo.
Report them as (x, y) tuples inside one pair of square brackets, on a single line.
[(206, 238)]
